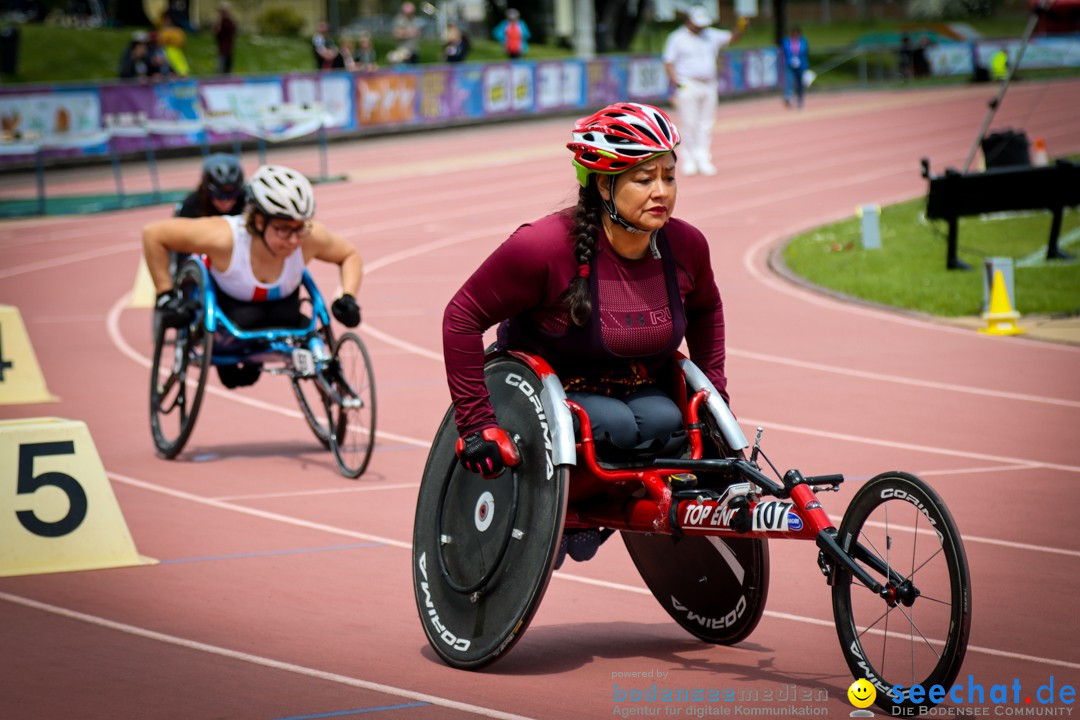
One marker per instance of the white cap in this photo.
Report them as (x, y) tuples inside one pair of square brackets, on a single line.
[(699, 16)]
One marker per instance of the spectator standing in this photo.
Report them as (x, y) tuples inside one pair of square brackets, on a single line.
[(323, 46), (513, 34), (999, 65), (691, 58), (920, 61), (457, 44), (407, 31), (225, 36), (796, 63), (906, 57), (172, 40), (367, 60), (138, 61), (346, 56)]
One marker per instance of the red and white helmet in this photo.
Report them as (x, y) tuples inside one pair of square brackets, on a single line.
[(619, 137), (282, 192)]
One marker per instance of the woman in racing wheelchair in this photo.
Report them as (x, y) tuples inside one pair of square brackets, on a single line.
[(220, 190), (256, 260), (605, 292)]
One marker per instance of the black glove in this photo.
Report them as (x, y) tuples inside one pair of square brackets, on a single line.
[(172, 310), (488, 451), (346, 310)]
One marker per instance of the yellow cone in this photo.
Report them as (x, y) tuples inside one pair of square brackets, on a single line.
[(1001, 318), (61, 511), (143, 294), (21, 381)]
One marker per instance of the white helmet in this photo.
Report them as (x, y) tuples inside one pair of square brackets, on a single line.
[(282, 192)]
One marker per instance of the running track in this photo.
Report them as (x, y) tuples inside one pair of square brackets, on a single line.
[(283, 590)]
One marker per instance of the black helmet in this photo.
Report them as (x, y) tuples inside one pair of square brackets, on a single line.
[(224, 176)]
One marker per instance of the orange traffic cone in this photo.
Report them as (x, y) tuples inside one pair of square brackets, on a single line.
[(1039, 157), (1001, 318)]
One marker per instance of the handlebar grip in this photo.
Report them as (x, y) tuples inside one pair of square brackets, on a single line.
[(834, 479)]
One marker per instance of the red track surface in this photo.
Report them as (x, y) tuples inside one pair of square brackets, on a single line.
[(284, 589)]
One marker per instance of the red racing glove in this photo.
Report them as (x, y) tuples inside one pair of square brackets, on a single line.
[(488, 451)]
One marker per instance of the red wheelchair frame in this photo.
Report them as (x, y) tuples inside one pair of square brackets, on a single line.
[(673, 511)]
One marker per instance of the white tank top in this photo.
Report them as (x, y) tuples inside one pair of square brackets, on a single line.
[(239, 281)]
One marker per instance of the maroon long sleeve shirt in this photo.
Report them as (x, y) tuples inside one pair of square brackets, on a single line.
[(642, 310)]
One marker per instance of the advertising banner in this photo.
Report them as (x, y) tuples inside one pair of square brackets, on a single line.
[(468, 91), (560, 85), (950, 59), (647, 80), (332, 92), (749, 70), (1042, 52), (602, 86), (387, 99), (70, 118), (129, 109), (498, 90)]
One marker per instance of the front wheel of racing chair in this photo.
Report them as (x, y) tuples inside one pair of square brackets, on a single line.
[(180, 365), (484, 550), (309, 392), (352, 404), (714, 588)]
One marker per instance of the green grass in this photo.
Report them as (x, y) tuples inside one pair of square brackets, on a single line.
[(80, 55), (909, 269), (76, 55)]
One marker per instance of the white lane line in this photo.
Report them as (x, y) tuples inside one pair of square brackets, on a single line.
[(905, 446), (972, 539), (309, 493), (258, 660), (404, 345), (276, 517), (970, 471), (69, 260), (254, 512), (826, 623), (899, 379)]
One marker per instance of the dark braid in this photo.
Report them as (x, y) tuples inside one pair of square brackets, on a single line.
[(577, 298)]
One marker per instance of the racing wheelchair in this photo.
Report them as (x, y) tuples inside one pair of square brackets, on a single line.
[(697, 528), (330, 376)]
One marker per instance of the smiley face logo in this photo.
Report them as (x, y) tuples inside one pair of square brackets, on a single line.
[(861, 694)]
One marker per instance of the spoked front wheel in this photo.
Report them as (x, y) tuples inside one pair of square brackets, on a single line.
[(916, 631), (352, 406), (313, 400), (178, 373)]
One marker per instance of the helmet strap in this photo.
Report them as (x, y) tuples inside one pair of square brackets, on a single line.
[(262, 232), (613, 213)]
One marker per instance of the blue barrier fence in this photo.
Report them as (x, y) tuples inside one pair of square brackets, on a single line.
[(84, 120)]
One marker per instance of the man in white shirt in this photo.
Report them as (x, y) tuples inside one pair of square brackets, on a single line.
[(691, 54)]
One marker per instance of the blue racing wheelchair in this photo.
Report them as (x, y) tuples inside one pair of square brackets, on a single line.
[(331, 376)]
